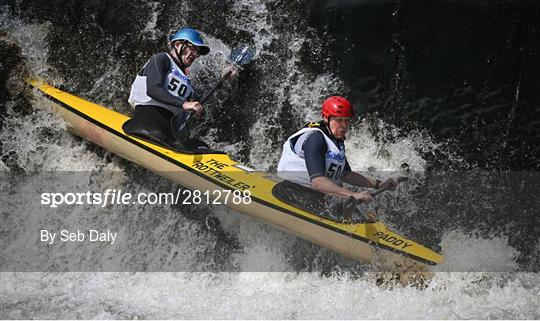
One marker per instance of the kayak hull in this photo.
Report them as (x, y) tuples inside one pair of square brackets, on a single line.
[(361, 242)]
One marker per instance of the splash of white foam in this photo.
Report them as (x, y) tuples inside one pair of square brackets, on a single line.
[(475, 253), (264, 296), (3, 167), (263, 246), (31, 38), (365, 153), (24, 136), (252, 16), (150, 27)]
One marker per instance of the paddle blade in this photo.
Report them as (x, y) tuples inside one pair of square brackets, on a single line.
[(348, 207), (242, 55)]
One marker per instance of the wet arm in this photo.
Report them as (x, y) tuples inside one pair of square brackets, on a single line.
[(358, 179), (325, 185)]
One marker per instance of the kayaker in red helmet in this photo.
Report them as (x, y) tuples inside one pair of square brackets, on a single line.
[(315, 155)]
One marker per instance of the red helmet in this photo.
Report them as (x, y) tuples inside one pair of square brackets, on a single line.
[(337, 106)]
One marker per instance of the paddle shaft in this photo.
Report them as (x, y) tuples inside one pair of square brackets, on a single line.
[(216, 86), (384, 189), (209, 94), (181, 127)]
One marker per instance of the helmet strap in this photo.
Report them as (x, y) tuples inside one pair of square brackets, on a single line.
[(179, 55), (327, 124)]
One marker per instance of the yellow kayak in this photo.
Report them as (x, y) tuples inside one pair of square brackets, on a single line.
[(215, 171)]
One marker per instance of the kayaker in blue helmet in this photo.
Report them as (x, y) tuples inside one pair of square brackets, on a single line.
[(162, 89)]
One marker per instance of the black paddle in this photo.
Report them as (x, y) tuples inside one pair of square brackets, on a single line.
[(350, 203), (180, 122)]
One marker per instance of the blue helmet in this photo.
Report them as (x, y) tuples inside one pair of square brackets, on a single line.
[(191, 35)]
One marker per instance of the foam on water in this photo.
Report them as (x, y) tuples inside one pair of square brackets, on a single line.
[(265, 295), (41, 142), (151, 24), (253, 17), (366, 153), (3, 167), (32, 41), (264, 248), (472, 252)]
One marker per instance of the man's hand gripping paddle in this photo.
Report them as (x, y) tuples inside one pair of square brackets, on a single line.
[(180, 122), (350, 203)]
